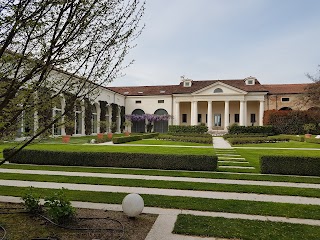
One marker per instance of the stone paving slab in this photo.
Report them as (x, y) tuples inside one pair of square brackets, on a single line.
[(219, 142), (166, 192), (236, 167), (164, 178)]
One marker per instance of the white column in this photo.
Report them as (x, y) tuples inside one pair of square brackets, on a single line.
[(261, 111), (194, 113), (226, 115), (241, 113), (245, 113), (63, 106), (98, 116), (209, 115), (177, 113), (83, 109)]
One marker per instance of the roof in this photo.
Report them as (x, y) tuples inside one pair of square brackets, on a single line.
[(180, 89), (286, 88)]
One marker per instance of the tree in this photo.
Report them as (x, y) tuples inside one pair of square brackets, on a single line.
[(54, 47), (313, 91)]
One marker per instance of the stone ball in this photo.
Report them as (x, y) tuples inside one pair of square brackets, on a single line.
[(132, 205)]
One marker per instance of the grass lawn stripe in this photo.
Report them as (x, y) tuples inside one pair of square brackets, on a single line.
[(212, 175), (243, 229), (188, 203), (271, 190)]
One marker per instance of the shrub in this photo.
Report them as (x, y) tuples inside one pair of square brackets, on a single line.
[(59, 207), (111, 159), (255, 140), (124, 139), (312, 140), (205, 140), (290, 165), (188, 129), (32, 201), (244, 135), (203, 135), (266, 130)]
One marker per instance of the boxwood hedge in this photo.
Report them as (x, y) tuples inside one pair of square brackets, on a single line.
[(290, 165), (255, 140), (111, 159), (124, 139)]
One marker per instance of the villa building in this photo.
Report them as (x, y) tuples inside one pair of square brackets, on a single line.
[(215, 103)]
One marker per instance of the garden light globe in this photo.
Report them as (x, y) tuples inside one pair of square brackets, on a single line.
[(132, 205)]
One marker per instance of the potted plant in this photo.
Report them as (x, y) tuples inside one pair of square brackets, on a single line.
[(308, 128), (66, 138), (127, 124)]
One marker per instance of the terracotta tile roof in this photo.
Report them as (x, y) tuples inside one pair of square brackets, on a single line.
[(179, 89), (286, 88)]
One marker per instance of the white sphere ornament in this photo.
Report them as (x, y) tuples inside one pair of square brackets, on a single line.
[(132, 205)]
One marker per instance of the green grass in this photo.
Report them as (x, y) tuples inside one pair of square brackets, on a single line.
[(200, 204), (291, 144), (165, 184), (298, 179), (165, 142), (253, 155), (244, 229), (121, 148)]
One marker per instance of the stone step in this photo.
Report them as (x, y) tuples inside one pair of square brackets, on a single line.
[(236, 167), (231, 158), (244, 162)]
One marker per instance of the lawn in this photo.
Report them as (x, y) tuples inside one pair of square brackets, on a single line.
[(189, 203), (243, 229)]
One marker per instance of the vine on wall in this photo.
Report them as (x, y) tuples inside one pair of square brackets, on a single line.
[(103, 112), (115, 110), (123, 117)]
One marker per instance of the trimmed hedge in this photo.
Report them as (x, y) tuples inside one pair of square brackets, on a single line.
[(244, 135), (207, 140), (236, 129), (235, 141), (312, 140), (203, 135), (188, 129), (290, 165), (124, 139), (120, 160)]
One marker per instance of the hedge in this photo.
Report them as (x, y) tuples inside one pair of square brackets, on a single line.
[(203, 135), (256, 140), (124, 139), (312, 140), (207, 140), (236, 129), (111, 159), (290, 165), (188, 129), (244, 135)]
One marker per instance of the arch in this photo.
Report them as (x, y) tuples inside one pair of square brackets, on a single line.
[(285, 109), (138, 126), (162, 125), (218, 90)]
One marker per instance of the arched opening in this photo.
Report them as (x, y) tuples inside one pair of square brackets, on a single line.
[(57, 112), (285, 109), (161, 126), (78, 118), (138, 125), (218, 90)]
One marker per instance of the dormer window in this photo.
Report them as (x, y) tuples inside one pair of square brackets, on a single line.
[(162, 91), (125, 92), (140, 92), (250, 80), (186, 81)]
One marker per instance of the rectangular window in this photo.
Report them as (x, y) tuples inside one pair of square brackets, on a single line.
[(285, 99), (199, 118), (236, 118), (138, 101), (184, 118), (253, 118), (160, 101)]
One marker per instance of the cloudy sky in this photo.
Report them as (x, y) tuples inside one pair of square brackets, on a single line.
[(277, 41)]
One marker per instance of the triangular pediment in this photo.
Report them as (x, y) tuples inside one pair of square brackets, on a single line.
[(219, 88)]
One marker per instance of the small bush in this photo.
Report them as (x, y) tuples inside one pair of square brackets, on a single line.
[(115, 159), (188, 129), (124, 139), (32, 201), (255, 140), (236, 129), (59, 207), (290, 165)]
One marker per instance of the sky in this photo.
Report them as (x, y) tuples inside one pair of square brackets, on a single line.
[(276, 41)]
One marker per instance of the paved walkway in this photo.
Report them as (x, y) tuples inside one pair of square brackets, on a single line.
[(166, 192), (219, 142), (162, 228), (162, 178)]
